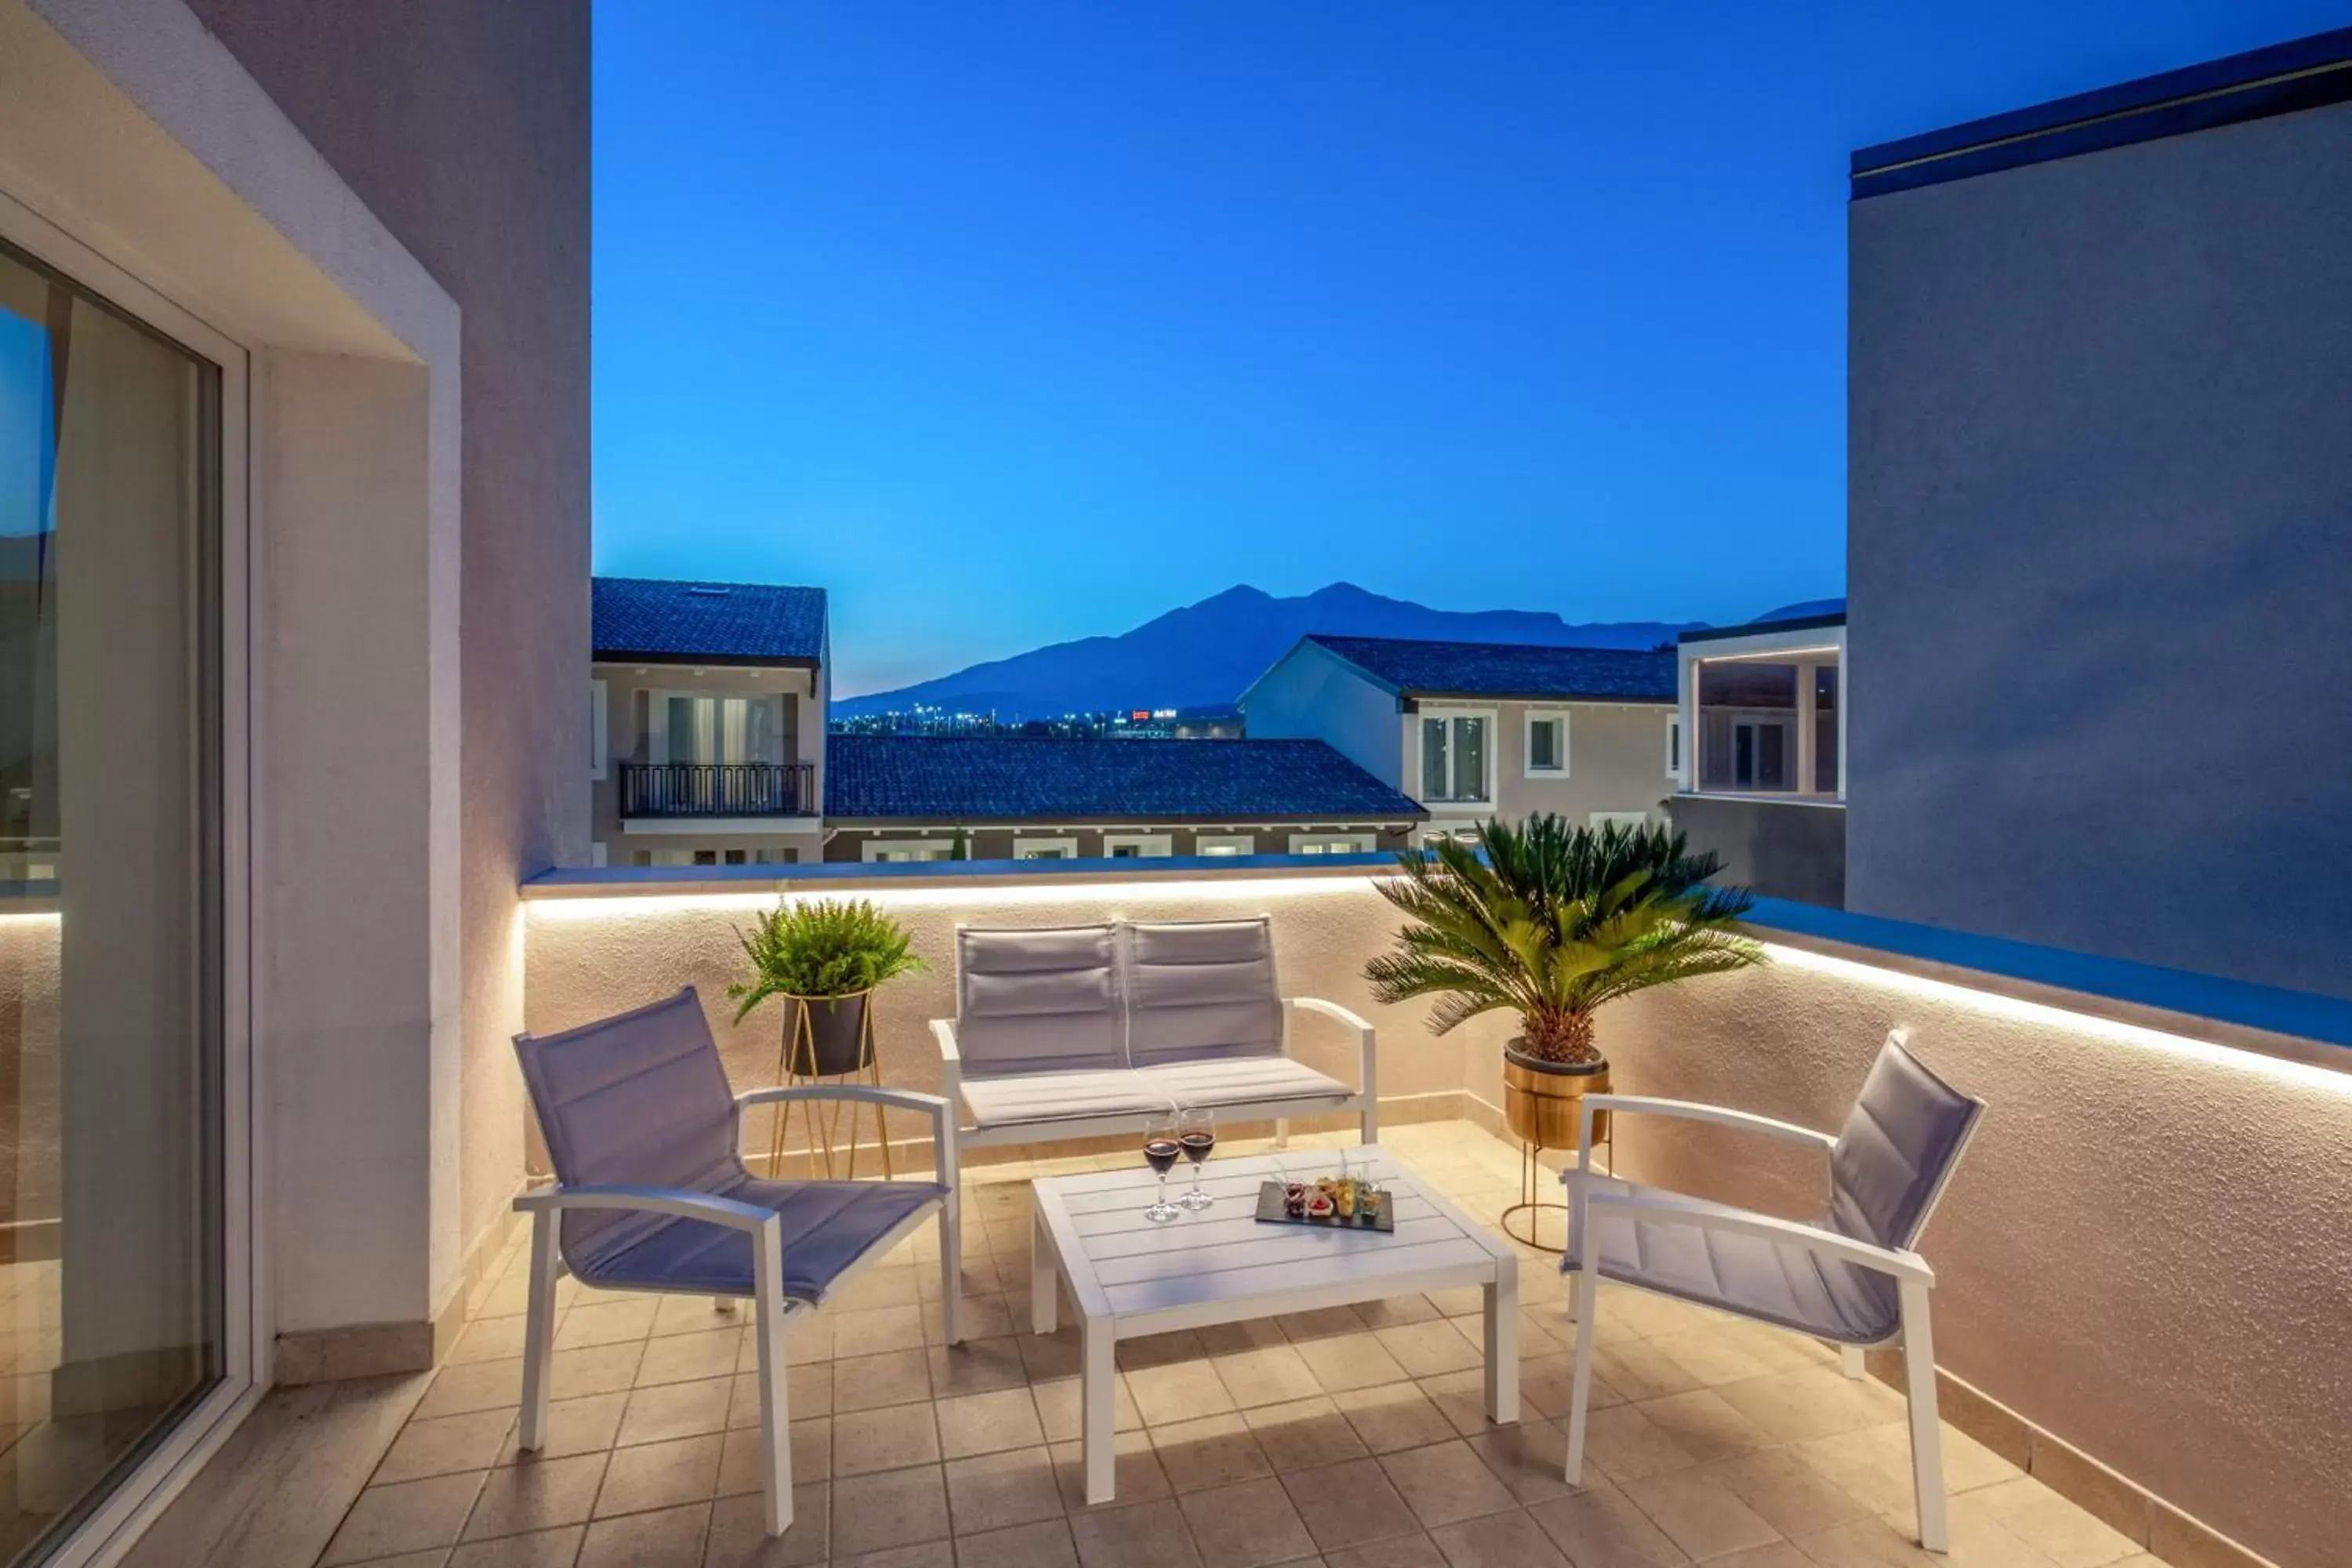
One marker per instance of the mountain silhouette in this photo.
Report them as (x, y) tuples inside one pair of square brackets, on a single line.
[(1207, 653)]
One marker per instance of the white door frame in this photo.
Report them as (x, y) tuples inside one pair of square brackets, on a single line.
[(247, 1328)]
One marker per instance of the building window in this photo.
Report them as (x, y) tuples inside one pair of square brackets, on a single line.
[(641, 858), (707, 856), (1454, 756), (1546, 746), (737, 857), (597, 736), (1332, 843), (1674, 746), (1225, 844), (688, 727), (1045, 848), (895, 849), (1432, 836), (786, 855), (1139, 846)]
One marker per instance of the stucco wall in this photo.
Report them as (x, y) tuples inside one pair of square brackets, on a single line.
[(1313, 695), (1616, 761), (800, 735), (2100, 524), (589, 957), (465, 128), (1780, 849), (2142, 1253)]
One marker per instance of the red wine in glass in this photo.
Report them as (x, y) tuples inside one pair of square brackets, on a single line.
[(1160, 1150), (1196, 1134)]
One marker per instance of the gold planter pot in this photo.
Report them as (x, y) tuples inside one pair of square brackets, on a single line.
[(1542, 1100)]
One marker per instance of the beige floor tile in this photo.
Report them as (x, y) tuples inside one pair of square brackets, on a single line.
[(2068, 1535), (1136, 1474), (980, 1317), (457, 1390), (1180, 1391), (1461, 1398), (597, 1322), (1622, 1445), (1547, 1383), (878, 1286), (888, 1438), (1399, 1551), (868, 1383), (1699, 1514), (1349, 1504), (1320, 1324), (976, 1366), (1049, 1356), (1159, 1350), (742, 1457), (1393, 1417), (1246, 1525), (697, 1314), (1345, 1361), (1704, 1425), (1778, 1555), (1790, 1495), (989, 1491), (1528, 1457), (660, 1475), (1599, 1524), (1798, 1405), (1639, 1370), (445, 1447), (598, 1369), (540, 1549), (808, 1391), (1872, 1543), (1270, 1375), (989, 1423), (1446, 1482), (537, 1494), (1047, 1544), (1249, 1334), (1498, 1540), (876, 1331), (738, 1536), (689, 1357), (1541, 1334), (1397, 1311), (1147, 1535), (411, 1516), (1305, 1434), (671, 1538), (1427, 1349), (893, 1507), (1214, 1451), (1461, 1302), (586, 1425), (670, 1410), (1716, 1355), (488, 1338), (929, 1554), (808, 1336), (1061, 1407)]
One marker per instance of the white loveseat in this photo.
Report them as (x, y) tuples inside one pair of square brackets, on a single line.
[(1084, 1031)]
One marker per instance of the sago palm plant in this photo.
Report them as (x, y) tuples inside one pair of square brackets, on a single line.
[(1551, 920)]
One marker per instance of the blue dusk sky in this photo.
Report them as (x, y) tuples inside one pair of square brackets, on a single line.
[(1012, 323)]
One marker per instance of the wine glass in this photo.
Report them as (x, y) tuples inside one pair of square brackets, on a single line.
[(1160, 1148), (1196, 1134)]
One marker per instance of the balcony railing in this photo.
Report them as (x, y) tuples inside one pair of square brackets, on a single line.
[(717, 789)]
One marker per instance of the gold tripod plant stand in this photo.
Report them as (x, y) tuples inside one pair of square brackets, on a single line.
[(796, 1064)]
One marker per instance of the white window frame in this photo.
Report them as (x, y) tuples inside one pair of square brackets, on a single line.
[(657, 720), (597, 733), (1224, 844), (1528, 724), (1147, 845), (1674, 746), (248, 1307), (1321, 843), (1450, 714), (879, 849), (1026, 849)]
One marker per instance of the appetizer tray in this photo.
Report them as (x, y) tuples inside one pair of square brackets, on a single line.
[(1299, 1203)]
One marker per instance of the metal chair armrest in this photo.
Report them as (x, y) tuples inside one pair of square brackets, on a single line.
[(1688, 1110), (1902, 1265), (1367, 1038), (684, 1202)]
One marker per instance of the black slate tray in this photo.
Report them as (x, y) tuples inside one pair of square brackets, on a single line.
[(1270, 1195)]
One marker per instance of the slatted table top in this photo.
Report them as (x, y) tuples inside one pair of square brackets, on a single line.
[(1223, 1264)]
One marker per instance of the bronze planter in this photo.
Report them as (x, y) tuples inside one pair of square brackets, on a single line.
[(1541, 1099)]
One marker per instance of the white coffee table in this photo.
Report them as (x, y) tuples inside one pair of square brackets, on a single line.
[(1131, 1277)]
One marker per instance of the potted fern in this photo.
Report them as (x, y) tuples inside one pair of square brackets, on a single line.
[(1551, 922), (823, 957)]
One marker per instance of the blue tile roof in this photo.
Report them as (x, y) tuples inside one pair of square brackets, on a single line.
[(662, 622), (1510, 669), (996, 778)]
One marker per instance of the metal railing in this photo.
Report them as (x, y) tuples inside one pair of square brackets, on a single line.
[(717, 789)]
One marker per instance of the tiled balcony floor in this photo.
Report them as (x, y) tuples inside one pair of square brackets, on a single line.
[(1353, 1439)]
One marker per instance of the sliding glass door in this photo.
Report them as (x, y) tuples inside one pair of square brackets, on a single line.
[(114, 1234)]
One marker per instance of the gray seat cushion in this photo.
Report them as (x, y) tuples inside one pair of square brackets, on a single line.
[(1038, 1000), (1241, 1080), (1750, 1274), (1201, 989), (1061, 1096), (827, 1226)]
